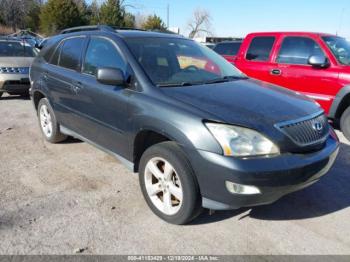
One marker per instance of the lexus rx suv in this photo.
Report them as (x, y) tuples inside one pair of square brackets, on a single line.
[(199, 133)]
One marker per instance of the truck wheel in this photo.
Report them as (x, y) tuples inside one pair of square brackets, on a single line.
[(168, 184), (48, 124), (345, 123)]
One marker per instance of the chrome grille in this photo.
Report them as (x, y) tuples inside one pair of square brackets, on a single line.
[(307, 131), (14, 70)]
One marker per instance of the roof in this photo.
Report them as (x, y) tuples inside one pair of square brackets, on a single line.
[(292, 33), (123, 32)]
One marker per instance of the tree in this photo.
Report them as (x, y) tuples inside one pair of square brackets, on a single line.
[(154, 22), (112, 13), (59, 14), (94, 13), (32, 19), (200, 23), (13, 12)]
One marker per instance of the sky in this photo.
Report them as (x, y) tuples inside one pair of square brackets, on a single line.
[(240, 17)]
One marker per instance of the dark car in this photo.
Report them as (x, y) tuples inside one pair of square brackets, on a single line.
[(198, 131), (228, 49)]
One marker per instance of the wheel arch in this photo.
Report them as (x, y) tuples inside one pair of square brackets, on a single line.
[(37, 96), (143, 140), (340, 103)]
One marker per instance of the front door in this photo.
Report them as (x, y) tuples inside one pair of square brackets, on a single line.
[(103, 107)]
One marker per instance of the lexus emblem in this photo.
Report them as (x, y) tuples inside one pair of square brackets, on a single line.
[(317, 126)]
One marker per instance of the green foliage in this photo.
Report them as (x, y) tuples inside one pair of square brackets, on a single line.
[(112, 13), (154, 22), (32, 19), (59, 14)]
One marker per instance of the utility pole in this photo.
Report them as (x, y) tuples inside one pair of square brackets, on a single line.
[(167, 14), (340, 21)]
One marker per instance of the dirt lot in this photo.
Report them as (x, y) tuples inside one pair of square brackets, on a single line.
[(55, 199)]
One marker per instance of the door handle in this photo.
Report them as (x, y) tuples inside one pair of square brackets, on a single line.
[(45, 76), (76, 86), (276, 72)]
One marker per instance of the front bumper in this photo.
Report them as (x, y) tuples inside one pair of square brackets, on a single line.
[(14, 83), (274, 176)]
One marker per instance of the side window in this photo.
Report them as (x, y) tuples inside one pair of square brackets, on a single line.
[(71, 53), (260, 48), (102, 53), (56, 55), (49, 52), (297, 50), (227, 48)]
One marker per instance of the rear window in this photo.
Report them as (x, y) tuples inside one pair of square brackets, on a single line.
[(16, 49), (260, 48), (71, 53), (227, 48)]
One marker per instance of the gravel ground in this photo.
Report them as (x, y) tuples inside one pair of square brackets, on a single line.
[(70, 197)]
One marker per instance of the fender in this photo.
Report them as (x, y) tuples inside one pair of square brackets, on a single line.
[(337, 101)]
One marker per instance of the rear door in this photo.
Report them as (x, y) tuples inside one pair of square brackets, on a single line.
[(255, 59), (61, 77), (293, 71)]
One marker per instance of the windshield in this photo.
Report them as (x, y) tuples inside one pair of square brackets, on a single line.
[(176, 62), (16, 49), (339, 47)]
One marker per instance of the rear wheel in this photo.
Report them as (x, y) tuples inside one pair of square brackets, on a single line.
[(168, 184), (48, 124), (345, 123)]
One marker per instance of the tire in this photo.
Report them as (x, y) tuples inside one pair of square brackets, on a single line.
[(48, 123), (345, 123), (182, 179)]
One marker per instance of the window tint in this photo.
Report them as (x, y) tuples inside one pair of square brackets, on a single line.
[(56, 55), (48, 53), (297, 50), (71, 53), (227, 48), (102, 53), (16, 49), (260, 48)]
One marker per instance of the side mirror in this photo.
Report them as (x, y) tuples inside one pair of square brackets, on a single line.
[(110, 76), (319, 61)]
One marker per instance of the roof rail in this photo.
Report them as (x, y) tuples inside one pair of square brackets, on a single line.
[(105, 28)]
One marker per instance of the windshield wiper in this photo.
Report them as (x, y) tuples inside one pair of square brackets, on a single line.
[(225, 79), (175, 84)]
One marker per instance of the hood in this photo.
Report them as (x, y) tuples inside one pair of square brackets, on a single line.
[(16, 61), (247, 103)]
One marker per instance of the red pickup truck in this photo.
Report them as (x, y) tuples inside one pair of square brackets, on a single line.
[(316, 65)]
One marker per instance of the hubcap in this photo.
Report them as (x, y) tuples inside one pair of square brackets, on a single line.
[(163, 186), (45, 121)]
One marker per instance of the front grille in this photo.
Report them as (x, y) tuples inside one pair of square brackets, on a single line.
[(14, 70), (307, 131)]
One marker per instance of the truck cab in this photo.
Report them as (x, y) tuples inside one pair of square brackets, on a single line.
[(314, 64)]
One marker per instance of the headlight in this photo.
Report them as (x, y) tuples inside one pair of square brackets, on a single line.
[(240, 141)]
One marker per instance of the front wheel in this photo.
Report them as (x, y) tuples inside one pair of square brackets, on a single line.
[(345, 123), (48, 123), (168, 184)]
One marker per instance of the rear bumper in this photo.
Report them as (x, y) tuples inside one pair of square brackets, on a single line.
[(14, 83), (274, 177)]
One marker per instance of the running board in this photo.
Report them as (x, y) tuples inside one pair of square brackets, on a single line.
[(128, 164)]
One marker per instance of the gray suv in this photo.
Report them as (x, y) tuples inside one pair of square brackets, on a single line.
[(198, 131)]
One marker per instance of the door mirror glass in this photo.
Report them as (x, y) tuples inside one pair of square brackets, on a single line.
[(318, 61), (110, 76)]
